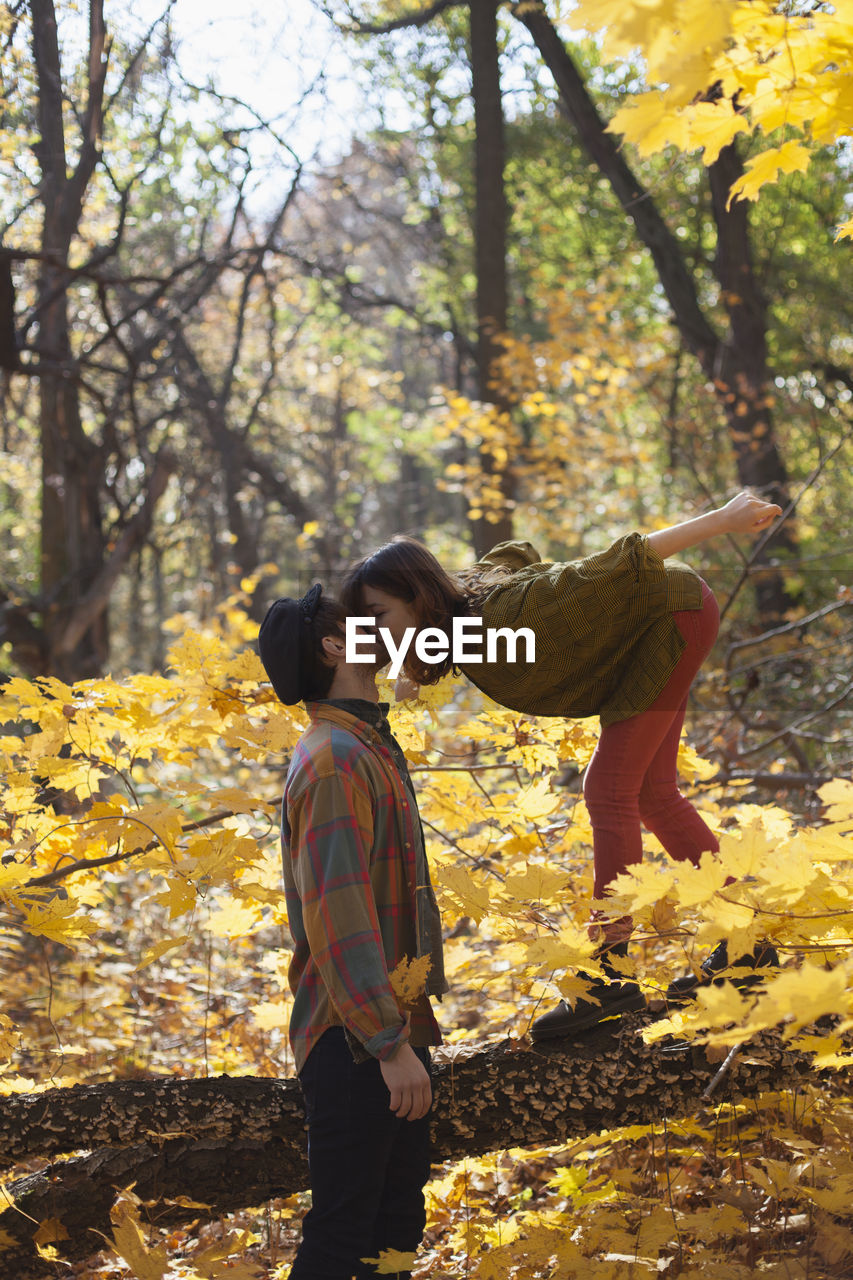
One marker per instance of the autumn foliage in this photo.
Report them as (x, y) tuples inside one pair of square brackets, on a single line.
[(751, 67), (144, 932), (142, 925)]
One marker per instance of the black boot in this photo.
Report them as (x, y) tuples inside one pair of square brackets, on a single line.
[(614, 994), (713, 966)]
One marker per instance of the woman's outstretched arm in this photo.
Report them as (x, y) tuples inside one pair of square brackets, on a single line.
[(744, 514)]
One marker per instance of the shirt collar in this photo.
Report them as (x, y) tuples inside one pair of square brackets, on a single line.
[(371, 712), (351, 711)]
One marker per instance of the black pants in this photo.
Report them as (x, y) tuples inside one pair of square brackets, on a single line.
[(368, 1167)]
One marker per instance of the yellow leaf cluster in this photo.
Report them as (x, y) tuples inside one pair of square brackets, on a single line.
[(408, 979), (786, 67)]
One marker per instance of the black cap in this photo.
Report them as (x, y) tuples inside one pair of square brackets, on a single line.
[(283, 640)]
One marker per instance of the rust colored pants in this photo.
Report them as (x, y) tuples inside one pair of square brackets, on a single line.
[(631, 778)]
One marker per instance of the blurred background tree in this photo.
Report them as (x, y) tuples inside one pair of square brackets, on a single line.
[(236, 351)]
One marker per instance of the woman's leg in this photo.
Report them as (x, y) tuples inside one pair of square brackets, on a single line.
[(665, 811), (632, 774)]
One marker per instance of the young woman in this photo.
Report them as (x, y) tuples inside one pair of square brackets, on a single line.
[(620, 635)]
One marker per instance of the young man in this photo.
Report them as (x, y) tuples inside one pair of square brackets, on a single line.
[(359, 902)]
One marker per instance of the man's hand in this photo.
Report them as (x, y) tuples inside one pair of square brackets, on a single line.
[(405, 689), (748, 514), (408, 1082)]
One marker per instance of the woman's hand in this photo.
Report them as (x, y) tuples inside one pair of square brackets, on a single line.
[(744, 514), (748, 514)]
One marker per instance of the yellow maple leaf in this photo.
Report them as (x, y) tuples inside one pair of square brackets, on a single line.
[(721, 1004), (537, 884), (472, 897), (269, 1015), (643, 884), (694, 885), (179, 897), (236, 800), (838, 794), (251, 891), (790, 157), (50, 1231), (59, 920), (49, 1253), (246, 666), (801, 996), (627, 26), (390, 1261), (538, 801), (690, 764), (9, 1038), (712, 126), (219, 1260), (787, 872), (835, 1199), (742, 853), (234, 920), (568, 949), (408, 979), (144, 1263), (647, 122), (13, 874), (826, 1051), (845, 230), (158, 949), (826, 845), (574, 987)]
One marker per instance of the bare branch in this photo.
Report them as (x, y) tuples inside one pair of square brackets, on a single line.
[(798, 624), (255, 268), (110, 859), (787, 513), (417, 19)]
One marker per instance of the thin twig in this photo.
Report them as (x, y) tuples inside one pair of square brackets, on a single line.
[(721, 1074)]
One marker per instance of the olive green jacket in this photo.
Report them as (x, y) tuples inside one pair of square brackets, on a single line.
[(606, 640)]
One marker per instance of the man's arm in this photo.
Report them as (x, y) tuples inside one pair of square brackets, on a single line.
[(744, 514)]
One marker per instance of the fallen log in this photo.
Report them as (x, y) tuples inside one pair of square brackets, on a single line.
[(229, 1143)]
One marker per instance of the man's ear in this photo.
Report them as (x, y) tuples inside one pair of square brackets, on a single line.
[(334, 650)]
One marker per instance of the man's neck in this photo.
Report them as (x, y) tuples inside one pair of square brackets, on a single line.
[(354, 682)]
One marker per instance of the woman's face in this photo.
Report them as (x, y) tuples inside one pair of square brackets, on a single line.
[(390, 612)]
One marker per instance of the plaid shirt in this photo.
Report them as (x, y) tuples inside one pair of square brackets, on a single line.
[(359, 899), (606, 640)]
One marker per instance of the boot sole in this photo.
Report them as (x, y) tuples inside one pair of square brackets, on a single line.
[(631, 1004), (683, 997)]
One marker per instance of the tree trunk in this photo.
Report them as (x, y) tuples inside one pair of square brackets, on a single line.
[(736, 363), (233, 1143), (740, 374), (73, 544), (490, 225)]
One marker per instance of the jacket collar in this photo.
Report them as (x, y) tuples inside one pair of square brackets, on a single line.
[(365, 719)]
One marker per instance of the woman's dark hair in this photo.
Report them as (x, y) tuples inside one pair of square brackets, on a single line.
[(405, 568), (317, 673)]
